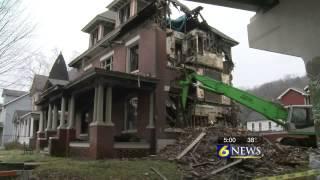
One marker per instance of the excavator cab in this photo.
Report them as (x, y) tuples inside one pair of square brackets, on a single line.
[(300, 126), (300, 120), (299, 116)]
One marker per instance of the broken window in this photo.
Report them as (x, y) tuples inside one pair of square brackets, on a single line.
[(131, 113), (124, 13), (192, 47), (107, 64), (178, 50), (134, 58), (200, 45)]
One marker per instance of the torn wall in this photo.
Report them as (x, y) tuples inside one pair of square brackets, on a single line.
[(207, 51)]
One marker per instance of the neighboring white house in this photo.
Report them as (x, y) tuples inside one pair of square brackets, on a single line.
[(13, 101), (263, 125), (259, 123)]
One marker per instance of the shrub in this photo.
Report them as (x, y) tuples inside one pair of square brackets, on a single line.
[(13, 145)]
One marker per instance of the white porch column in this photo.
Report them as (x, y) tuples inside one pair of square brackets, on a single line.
[(151, 111), (100, 104), (24, 129), (100, 31), (55, 117), (71, 112), (28, 127), (20, 132), (41, 122), (49, 118), (109, 106), (31, 127), (62, 113)]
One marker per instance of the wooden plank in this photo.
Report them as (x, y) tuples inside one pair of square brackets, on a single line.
[(159, 173), (226, 167), (194, 142)]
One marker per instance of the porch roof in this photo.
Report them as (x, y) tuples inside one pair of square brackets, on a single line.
[(98, 75)]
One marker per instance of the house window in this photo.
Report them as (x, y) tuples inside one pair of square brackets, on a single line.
[(124, 13), (260, 126), (134, 58), (107, 63), (178, 50), (131, 113), (252, 126), (270, 126)]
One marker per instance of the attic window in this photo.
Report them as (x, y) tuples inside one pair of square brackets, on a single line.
[(124, 13), (94, 36)]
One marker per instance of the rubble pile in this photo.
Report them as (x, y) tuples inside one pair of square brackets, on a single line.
[(201, 161)]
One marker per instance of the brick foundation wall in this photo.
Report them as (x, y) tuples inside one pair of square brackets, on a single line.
[(79, 152)]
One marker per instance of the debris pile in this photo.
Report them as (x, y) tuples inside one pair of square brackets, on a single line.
[(195, 152)]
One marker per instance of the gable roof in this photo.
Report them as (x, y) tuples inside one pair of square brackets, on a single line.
[(59, 69), (16, 99), (15, 93), (38, 83), (292, 89)]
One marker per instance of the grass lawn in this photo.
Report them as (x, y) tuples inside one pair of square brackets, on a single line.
[(67, 168)]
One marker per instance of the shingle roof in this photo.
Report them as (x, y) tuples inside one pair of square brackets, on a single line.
[(73, 74), (107, 17), (59, 69), (38, 83), (15, 93), (20, 113)]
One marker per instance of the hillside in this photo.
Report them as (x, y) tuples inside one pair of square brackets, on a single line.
[(271, 91)]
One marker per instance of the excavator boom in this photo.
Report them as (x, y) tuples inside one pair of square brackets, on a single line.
[(270, 110)]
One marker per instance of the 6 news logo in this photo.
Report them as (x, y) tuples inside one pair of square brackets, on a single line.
[(238, 151)]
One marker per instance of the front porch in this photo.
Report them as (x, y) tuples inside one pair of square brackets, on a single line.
[(101, 115)]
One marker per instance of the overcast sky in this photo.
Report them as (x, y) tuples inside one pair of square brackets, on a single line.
[(59, 24)]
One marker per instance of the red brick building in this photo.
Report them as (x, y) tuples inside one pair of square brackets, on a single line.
[(293, 96), (122, 95)]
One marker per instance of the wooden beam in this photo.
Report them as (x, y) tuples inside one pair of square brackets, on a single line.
[(194, 142), (225, 167), (159, 173)]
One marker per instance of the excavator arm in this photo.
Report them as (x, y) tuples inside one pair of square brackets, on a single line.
[(270, 110)]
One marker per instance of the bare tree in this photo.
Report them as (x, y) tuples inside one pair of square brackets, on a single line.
[(15, 31)]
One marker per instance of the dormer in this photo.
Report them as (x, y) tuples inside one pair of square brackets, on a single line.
[(126, 9), (99, 26)]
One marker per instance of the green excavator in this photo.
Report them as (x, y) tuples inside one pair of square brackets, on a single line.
[(296, 119)]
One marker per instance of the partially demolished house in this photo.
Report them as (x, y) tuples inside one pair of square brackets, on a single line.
[(125, 96)]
